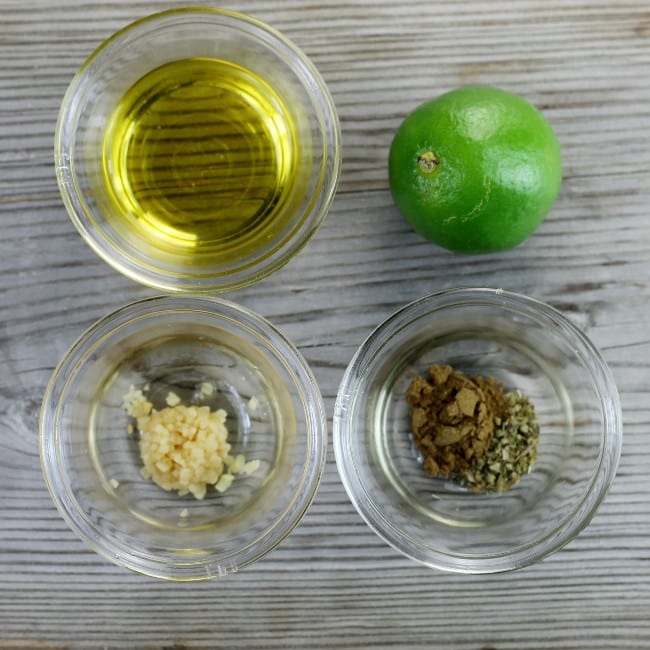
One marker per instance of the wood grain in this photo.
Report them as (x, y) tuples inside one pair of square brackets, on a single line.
[(333, 583)]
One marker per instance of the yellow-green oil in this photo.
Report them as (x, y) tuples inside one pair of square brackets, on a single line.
[(202, 161)]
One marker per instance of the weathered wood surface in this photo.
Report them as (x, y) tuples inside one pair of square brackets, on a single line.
[(332, 583)]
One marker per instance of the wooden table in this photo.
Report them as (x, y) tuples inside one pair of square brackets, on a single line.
[(333, 583)]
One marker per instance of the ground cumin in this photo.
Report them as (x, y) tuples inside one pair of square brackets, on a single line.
[(453, 418)]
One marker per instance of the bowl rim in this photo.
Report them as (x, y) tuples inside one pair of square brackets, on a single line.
[(553, 539), (257, 268), (213, 564)]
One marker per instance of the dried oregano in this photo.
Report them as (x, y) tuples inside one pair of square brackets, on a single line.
[(512, 450)]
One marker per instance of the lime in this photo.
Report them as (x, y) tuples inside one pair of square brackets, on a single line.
[(475, 170)]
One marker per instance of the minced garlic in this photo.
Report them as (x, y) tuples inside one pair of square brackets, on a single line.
[(135, 403), (185, 448)]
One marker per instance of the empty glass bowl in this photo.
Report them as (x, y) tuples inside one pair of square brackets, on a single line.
[(524, 344), (204, 352), (197, 150)]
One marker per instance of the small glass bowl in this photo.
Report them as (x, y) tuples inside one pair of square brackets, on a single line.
[(169, 255), (180, 344), (524, 344)]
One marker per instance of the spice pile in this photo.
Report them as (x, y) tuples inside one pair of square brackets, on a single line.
[(470, 430)]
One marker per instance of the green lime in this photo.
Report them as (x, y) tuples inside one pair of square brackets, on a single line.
[(475, 170)]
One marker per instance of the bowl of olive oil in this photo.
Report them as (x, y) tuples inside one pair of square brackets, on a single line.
[(197, 150)]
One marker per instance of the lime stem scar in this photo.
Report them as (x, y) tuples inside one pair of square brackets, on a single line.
[(427, 161)]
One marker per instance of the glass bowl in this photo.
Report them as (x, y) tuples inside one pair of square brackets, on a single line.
[(197, 150), (208, 352), (522, 343)]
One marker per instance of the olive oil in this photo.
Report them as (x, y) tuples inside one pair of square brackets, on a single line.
[(201, 160)]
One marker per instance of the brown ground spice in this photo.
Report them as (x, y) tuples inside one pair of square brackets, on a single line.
[(453, 418)]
